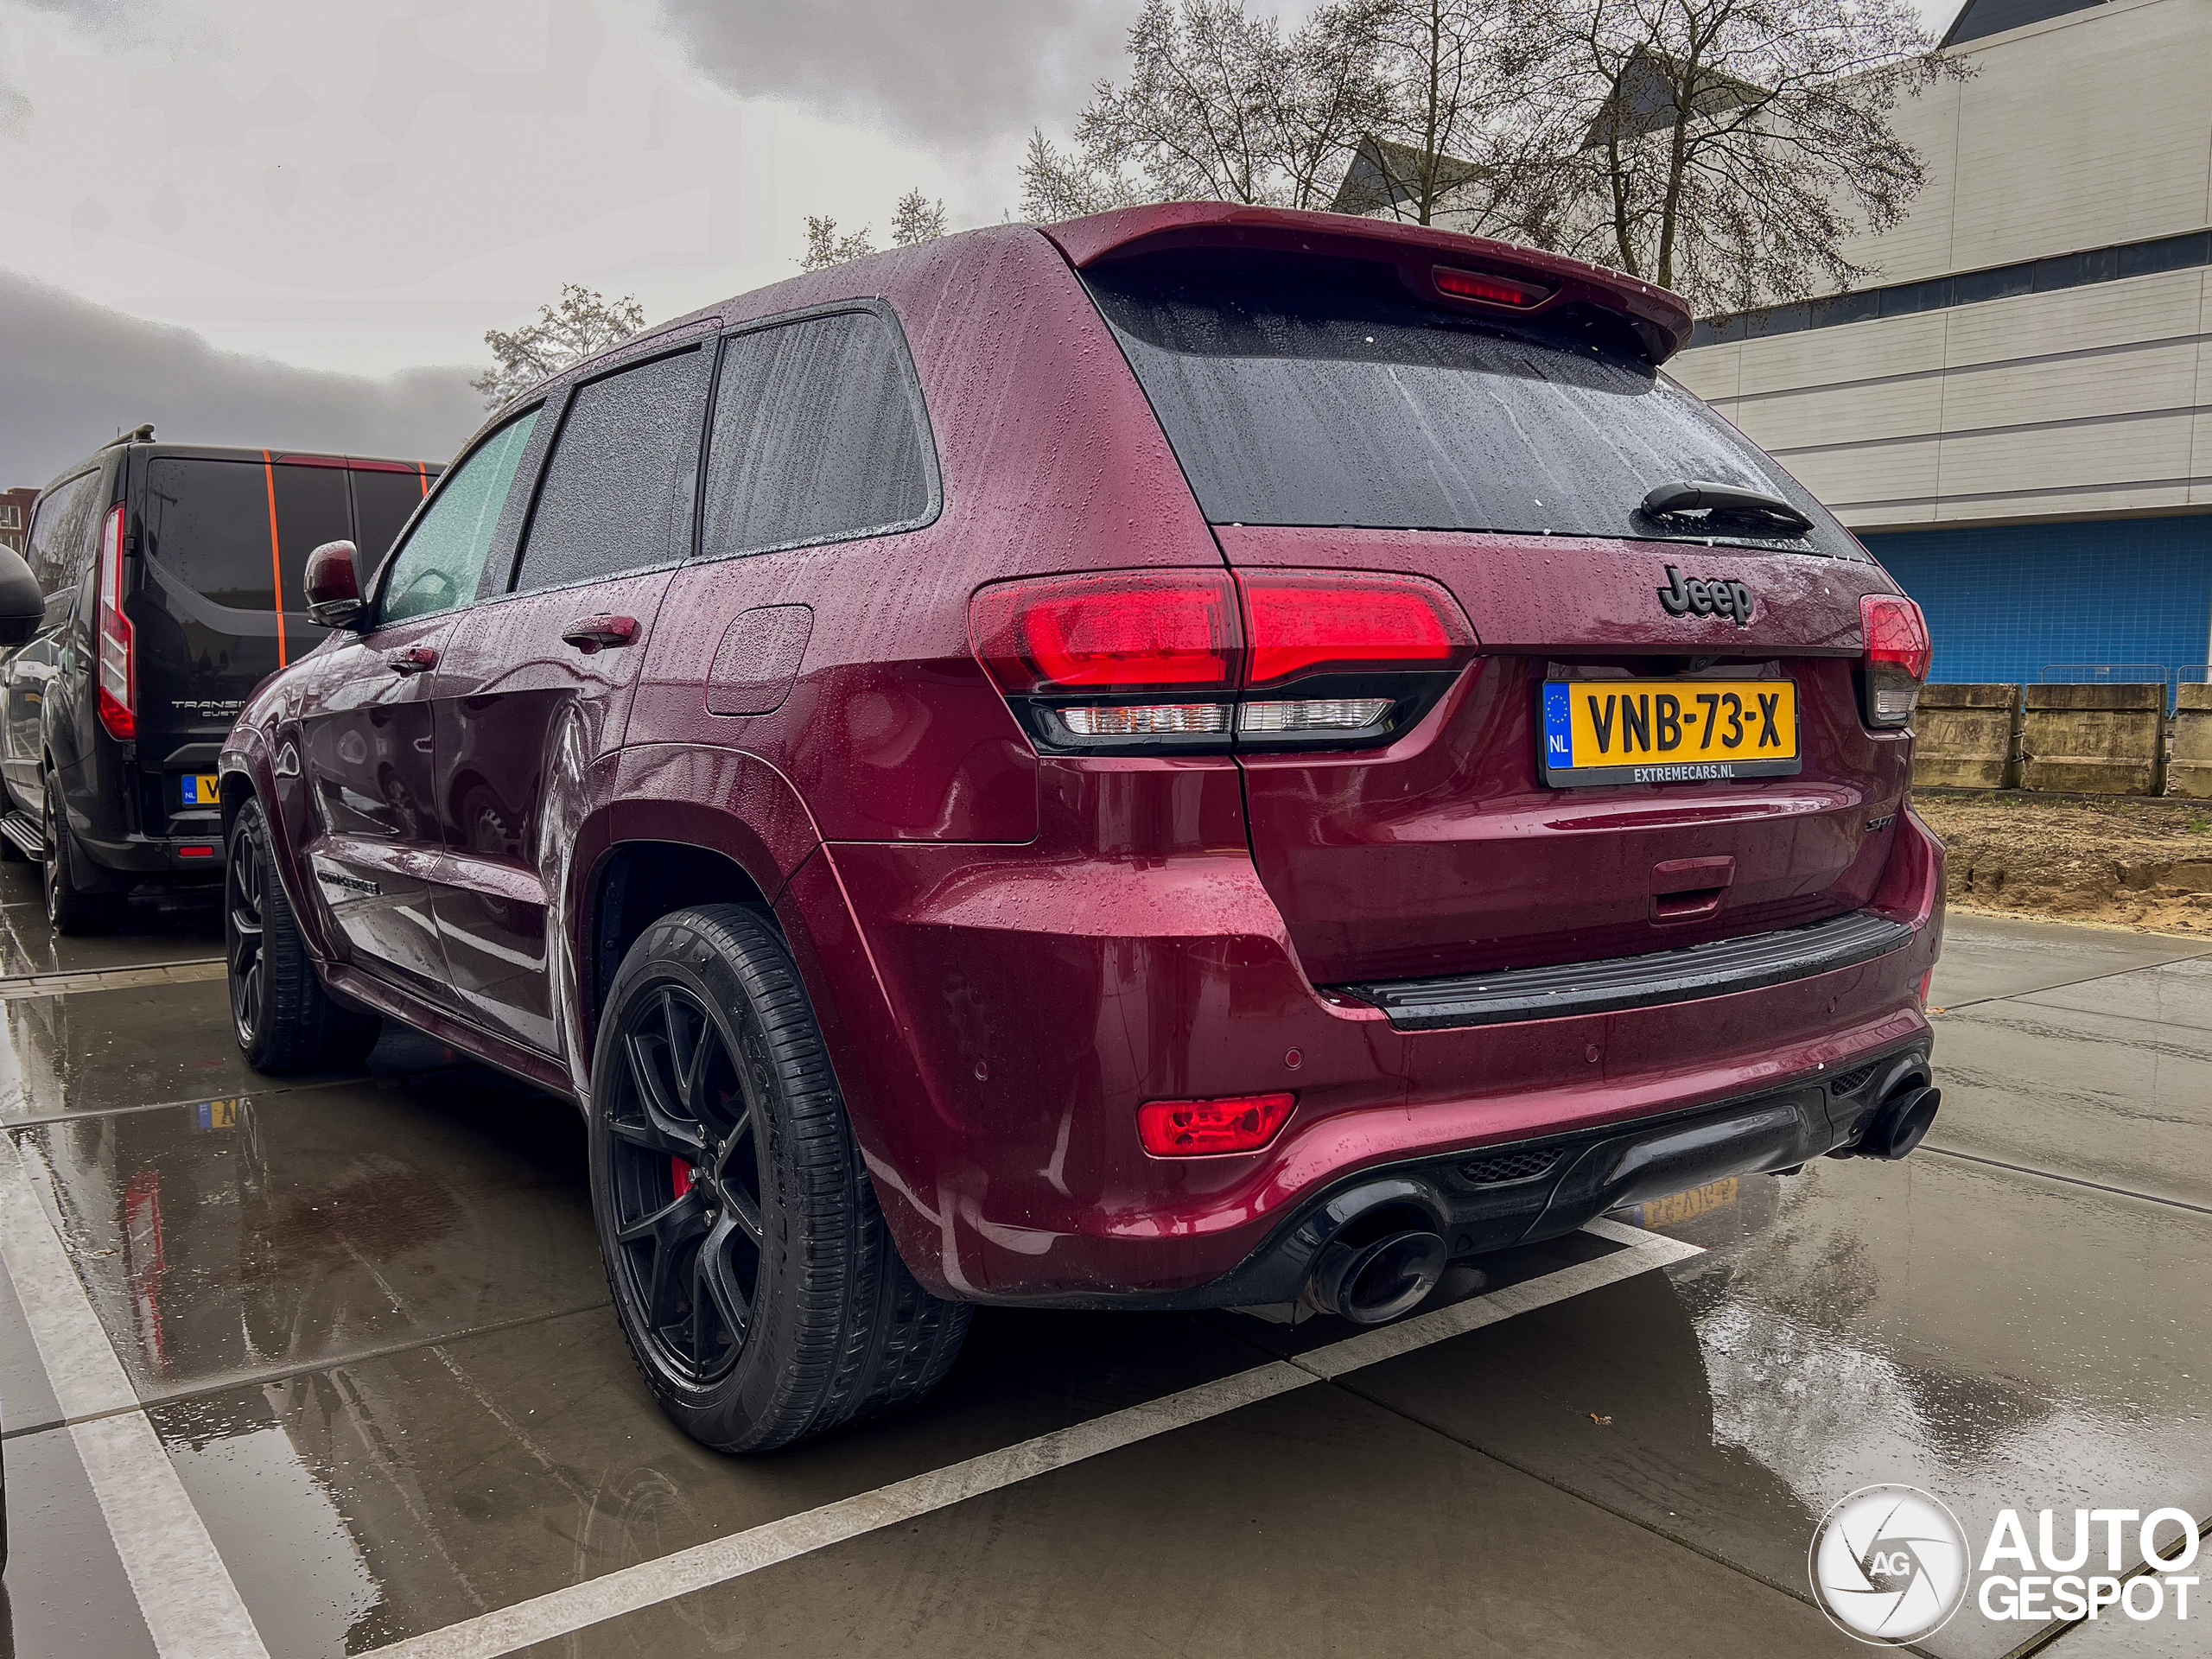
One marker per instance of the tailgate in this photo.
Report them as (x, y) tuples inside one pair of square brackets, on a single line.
[(1448, 853), (1385, 406)]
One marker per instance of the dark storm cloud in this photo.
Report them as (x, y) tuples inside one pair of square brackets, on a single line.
[(947, 72), (76, 372)]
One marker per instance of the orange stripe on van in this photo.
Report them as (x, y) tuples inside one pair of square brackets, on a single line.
[(423, 468), (275, 560)]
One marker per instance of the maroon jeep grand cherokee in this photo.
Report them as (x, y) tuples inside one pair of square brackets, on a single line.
[(1197, 757)]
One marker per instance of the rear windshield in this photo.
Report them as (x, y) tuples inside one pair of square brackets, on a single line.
[(1300, 390), (228, 531)]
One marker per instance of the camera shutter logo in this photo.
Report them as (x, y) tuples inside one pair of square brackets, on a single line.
[(1888, 1565)]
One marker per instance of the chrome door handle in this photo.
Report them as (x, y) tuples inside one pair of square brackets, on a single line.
[(601, 632), (415, 660)]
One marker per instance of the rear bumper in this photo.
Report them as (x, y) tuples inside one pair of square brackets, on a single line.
[(159, 857), (1536, 1189), (996, 1016)]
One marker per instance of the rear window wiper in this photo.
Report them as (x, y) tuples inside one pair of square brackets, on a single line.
[(1731, 503)]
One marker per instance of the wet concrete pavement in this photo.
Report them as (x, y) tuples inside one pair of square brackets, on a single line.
[(367, 1320)]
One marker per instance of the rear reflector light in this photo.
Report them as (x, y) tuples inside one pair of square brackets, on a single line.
[(1313, 714), (1197, 1128), (1897, 658), (1146, 719), (195, 852), (1155, 661), (116, 652), (1489, 289)]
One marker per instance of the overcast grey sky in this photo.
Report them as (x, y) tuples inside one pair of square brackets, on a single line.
[(363, 186)]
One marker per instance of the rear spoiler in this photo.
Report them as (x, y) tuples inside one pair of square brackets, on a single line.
[(1662, 319)]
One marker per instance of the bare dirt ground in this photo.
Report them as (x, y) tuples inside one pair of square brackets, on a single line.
[(2133, 863)]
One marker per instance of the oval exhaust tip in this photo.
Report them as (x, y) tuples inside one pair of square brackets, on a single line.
[(1905, 1123), (1375, 1282)]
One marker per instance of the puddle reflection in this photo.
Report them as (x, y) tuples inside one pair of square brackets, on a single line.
[(236, 1234)]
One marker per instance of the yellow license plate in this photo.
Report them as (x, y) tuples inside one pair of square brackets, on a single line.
[(1687, 1206), (1668, 731), (200, 790)]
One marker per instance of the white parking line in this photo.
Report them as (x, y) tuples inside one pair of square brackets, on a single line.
[(111, 979), (561, 1612), (192, 1608)]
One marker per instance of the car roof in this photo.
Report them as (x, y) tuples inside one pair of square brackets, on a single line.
[(1660, 318), (156, 450)]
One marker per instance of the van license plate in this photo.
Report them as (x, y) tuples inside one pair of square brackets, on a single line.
[(1668, 731), (200, 788)]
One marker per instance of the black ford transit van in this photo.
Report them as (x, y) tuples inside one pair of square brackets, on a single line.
[(172, 579)]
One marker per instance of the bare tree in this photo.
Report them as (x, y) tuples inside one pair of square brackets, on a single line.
[(1727, 149), (825, 247), (580, 324), (1218, 105), (1450, 65), (1334, 91), (1059, 184), (916, 220)]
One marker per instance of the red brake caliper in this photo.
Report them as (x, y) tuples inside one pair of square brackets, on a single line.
[(682, 1172)]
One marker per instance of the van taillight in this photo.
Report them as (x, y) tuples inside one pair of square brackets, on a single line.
[(117, 665), (1897, 655), (1179, 661)]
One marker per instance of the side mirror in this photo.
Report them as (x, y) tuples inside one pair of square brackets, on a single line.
[(22, 607), (333, 587)]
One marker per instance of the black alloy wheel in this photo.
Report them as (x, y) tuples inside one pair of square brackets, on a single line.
[(754, 1276), (283, 1017), (685, 1185), (245, 879)]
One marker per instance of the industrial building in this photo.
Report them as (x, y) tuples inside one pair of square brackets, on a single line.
[(2015, 410)]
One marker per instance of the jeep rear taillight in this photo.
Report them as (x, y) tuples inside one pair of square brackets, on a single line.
[(1897, 654), (1128, 659), (1178, 661), (1365, 653), (117, 652)]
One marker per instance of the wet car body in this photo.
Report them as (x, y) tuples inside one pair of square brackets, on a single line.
[(1012, 948)]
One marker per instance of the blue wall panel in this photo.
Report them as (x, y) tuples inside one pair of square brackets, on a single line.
[(2006, 603)]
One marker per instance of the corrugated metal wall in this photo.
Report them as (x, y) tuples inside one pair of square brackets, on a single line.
[(2008, 602)]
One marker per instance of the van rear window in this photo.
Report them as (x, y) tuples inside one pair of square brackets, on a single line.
[(1304, 389), (208, 525), (382, 502)]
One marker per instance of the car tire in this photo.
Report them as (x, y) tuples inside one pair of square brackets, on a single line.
[(753, 1273), (70, 909), (283, 1017)]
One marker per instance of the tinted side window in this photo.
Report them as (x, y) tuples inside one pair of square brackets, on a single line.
[(62, 528), (207, 525), (238, 532), (818, 436), (439, 567), (618, 484), (381, 503)]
